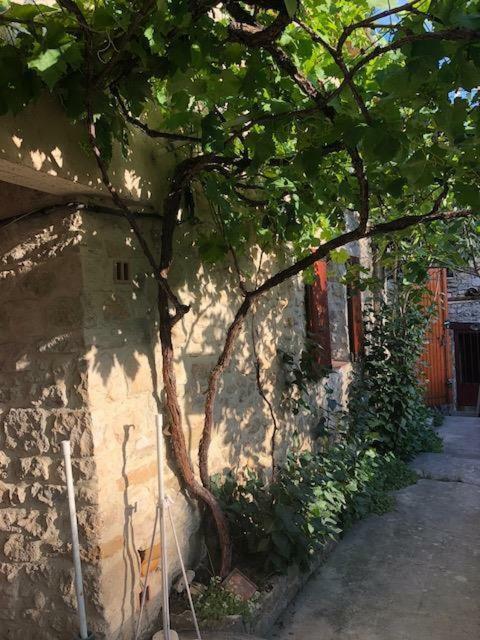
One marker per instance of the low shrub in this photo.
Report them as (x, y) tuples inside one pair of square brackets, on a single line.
[(216, 602), (437, 417), (312, 500)]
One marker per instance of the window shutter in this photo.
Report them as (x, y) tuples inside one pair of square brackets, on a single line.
[(355, 315), (316, 307)]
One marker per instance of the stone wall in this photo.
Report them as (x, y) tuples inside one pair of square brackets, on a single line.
[(81, 358), (43, 400), (123, 365), (463, 310)]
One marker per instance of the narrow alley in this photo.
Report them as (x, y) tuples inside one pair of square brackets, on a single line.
[(412, 574)]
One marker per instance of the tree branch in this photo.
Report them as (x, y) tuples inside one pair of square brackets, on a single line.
[(151, 133), (343, 67), (368, 22), (256, 36)]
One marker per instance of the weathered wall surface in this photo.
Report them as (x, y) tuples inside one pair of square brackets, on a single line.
[(80, 359), (463, 310), (43, 401), (41, 149), (124, 363)]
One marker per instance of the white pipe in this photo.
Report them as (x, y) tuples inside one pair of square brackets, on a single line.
[(82, 616), (163, 528)]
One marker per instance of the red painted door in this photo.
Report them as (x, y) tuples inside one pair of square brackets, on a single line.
[(437, 360), (316, 307)]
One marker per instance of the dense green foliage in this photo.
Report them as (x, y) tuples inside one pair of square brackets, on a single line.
[(277, 117), (362, 452), (387, 404), (314, 498), (216, 602)]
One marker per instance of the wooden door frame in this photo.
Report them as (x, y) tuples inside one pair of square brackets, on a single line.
[(456, 328)]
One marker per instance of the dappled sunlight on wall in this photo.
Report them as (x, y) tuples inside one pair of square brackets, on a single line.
[(43, 401), (56, 158)]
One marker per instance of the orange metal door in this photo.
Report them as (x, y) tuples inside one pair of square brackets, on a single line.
[(436, 365)]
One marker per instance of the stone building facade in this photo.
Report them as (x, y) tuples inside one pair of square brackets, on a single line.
[(464, 321), (463, 296), (79, 359)]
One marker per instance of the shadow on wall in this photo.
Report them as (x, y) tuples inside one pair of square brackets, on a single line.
[(121, 325), (80, 359), (124, 362), (55, 157), (43, 392)]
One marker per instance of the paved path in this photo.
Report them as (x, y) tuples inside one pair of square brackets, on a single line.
[(412, 574)]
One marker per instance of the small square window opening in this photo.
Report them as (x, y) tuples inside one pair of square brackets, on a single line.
[(121, 272)]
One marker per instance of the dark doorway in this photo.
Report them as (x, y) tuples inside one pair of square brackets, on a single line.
[(467, 362)]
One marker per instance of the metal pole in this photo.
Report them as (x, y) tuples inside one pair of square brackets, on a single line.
[(145, 584), (163, 528), (184, 574), (82, 616)]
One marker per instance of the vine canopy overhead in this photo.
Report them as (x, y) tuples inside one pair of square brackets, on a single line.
[(299, 110), (285, 114)]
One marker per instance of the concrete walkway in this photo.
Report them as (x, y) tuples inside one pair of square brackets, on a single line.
[(412, 574)]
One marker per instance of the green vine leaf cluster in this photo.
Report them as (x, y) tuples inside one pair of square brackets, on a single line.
[(387, 406), (314, 498), (285, 110)]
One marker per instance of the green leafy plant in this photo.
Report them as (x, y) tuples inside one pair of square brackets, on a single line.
[(216, 603), (387, 404), (312, 500), (377, 476), (437, 417)]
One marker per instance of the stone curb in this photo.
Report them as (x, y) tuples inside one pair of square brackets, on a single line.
[(285, 590), (271, 606)]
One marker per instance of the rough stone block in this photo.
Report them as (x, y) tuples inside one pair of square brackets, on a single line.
[(18, 549), (74, 426), (8, 573), (46, 493), (24, 430), (13, 494), (35, 467), (84, 469), (4, 464), (21, 521)]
